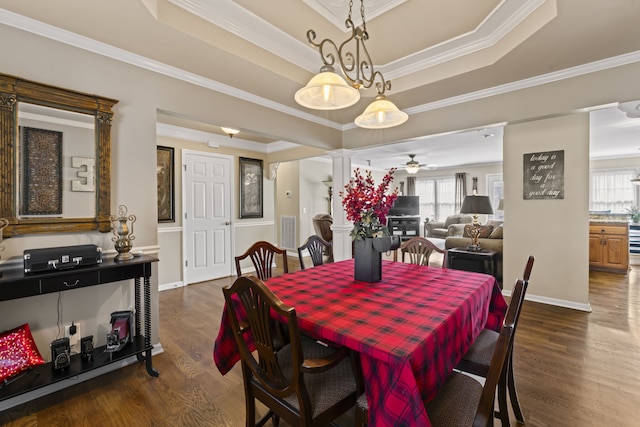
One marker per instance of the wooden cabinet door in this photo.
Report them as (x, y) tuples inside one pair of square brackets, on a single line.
[(595, 249), (616, 252)]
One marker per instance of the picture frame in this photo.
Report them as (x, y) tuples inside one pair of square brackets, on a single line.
[(543, 176), (250, 188), (41, 172), (166, 182)]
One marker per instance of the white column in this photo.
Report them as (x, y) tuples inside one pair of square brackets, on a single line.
[(341, 227)]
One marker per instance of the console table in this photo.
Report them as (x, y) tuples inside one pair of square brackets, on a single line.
[(405, 226), (14, 284), (482, 261)]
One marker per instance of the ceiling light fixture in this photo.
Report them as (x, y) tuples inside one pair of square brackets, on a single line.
[(412, 166), (328, 91), (229, 131)]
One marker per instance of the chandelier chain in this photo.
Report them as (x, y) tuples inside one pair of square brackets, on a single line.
[(356, 65), (364, 24)]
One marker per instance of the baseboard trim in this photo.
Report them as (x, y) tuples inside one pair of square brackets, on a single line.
[(554, 301), (168, 286)]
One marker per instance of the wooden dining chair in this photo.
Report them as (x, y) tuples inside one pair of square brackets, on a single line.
[(263, 255), (418, 250), (304, 383), (462, 401), (476, 361), (317, 248)]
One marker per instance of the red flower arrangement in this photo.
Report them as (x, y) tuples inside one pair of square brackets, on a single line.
[(368, 205)]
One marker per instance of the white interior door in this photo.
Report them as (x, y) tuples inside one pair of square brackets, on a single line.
[(207, 215)]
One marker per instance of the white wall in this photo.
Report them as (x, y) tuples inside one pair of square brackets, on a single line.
[(554, 231)]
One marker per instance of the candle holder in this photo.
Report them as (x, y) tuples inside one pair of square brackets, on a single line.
[(123, 235)]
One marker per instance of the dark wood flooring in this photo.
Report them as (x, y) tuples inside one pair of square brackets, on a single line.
[(572, 368)]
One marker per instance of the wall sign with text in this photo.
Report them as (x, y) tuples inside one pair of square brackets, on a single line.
[(544, 175)]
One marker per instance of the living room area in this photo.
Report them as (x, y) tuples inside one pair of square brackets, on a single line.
[(611, 152)]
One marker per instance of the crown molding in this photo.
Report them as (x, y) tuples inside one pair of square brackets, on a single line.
[(567, 73), (239, 21), (23, 23), (252, 28), (214, 140), (496, 26), (63, 36), (336, 12)]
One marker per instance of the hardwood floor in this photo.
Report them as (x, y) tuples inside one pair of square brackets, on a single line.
[(572, 368)]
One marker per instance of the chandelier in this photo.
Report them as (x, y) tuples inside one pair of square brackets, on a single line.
[(329, 91)]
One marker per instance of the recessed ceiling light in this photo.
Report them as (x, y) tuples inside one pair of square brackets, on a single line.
[(229, 131)]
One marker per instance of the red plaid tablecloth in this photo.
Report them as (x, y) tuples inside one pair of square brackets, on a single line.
[(411, 328)]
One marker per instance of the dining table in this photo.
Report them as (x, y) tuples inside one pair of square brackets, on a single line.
[(410, 329)]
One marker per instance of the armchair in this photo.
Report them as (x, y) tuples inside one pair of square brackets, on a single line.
[(440, 229), (322, 226)]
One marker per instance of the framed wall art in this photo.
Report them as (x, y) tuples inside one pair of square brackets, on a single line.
[(166, 205), (250, 188), (41, 172), (543, 175)]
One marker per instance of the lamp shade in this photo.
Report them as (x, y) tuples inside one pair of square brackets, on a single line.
[(501, 205), (327, 91), (476, 205), (381, 114)]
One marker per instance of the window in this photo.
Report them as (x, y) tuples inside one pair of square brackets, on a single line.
[(611, 190), (495, 191), (437, 197)]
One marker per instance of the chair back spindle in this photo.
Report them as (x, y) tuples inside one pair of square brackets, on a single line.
[(263, 255), (318, 249)]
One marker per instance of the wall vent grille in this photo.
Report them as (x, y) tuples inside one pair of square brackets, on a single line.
[(288, 232)]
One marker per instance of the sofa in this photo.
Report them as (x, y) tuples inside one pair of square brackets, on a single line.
[(490, 238), (440, 229)]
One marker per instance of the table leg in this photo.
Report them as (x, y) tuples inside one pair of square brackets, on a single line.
[(136, 293), (147, 327)]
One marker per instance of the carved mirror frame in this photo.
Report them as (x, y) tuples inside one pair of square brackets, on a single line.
[(14, 90)]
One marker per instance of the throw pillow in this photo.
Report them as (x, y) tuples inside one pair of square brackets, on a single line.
[(494, 223), (496, 233), (18, 352), (485, 231)]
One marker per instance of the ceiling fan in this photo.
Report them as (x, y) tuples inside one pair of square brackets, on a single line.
[(413, 166)]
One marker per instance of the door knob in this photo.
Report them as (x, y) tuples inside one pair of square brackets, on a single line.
[(227, 223)]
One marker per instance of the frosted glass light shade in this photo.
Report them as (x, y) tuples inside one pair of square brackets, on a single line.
[(412, 169), (327, 91), (381, 114), (229, 131)]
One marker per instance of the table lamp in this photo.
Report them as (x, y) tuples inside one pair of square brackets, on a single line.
[(475, 205)]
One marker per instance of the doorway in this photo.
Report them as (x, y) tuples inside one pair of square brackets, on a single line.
[(207, 199)]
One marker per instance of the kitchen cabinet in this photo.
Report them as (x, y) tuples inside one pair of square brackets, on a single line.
[(609, 246)]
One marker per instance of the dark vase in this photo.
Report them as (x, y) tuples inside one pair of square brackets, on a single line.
[(367, 261)]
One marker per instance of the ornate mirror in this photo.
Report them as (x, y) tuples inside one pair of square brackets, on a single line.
[(55, 158)]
